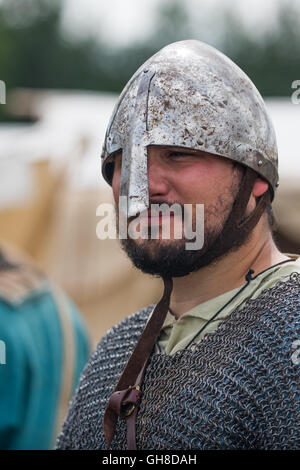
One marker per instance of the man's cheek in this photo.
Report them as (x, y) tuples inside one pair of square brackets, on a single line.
[(116, 188)]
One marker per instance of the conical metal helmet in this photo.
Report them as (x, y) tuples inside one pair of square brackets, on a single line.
[(188, 95)]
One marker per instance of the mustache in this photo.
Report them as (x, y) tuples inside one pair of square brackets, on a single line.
[(147, 212)]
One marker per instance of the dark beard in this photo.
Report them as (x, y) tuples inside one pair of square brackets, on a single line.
[(168, 260), (173, 259)]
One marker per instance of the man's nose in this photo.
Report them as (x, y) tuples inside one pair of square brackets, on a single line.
[(157, 177)]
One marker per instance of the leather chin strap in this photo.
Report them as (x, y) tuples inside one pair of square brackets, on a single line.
[(125, 399), (242, 200)]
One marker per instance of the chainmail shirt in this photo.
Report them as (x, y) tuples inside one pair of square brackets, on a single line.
[(238, 388)]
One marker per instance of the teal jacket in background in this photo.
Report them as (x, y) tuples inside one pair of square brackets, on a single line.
[(33, 349)]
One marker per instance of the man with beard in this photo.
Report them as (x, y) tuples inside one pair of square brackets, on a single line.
[(214, 364)]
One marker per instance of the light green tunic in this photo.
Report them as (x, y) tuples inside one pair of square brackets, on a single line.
[(176, 334)]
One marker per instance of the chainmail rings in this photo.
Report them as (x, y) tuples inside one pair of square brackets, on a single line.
[(238, 388)]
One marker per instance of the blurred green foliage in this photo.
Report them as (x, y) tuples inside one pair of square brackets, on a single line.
[(34, 53)]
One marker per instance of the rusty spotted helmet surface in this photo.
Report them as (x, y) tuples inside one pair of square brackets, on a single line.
[(188, 95)]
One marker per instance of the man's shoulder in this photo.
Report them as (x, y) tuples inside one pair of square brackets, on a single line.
[(283, 297), (286, 286), (118, 343), (128, 329), (271, 318), (107, 361)]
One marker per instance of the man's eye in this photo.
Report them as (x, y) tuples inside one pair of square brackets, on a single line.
[(178, 154)]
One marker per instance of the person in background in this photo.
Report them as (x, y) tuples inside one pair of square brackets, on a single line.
[(44, 346)]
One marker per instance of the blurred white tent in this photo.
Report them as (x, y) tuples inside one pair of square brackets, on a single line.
[(64, 118), (51, 185)]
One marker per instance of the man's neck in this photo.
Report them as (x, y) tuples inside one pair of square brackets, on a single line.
[(226, 274)]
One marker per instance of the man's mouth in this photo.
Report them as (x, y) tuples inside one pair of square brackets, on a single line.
[(155, 218)]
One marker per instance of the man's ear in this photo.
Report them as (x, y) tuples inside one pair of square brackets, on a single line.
[(260, 187)]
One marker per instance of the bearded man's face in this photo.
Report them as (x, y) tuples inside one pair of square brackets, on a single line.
[(183, 177)]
